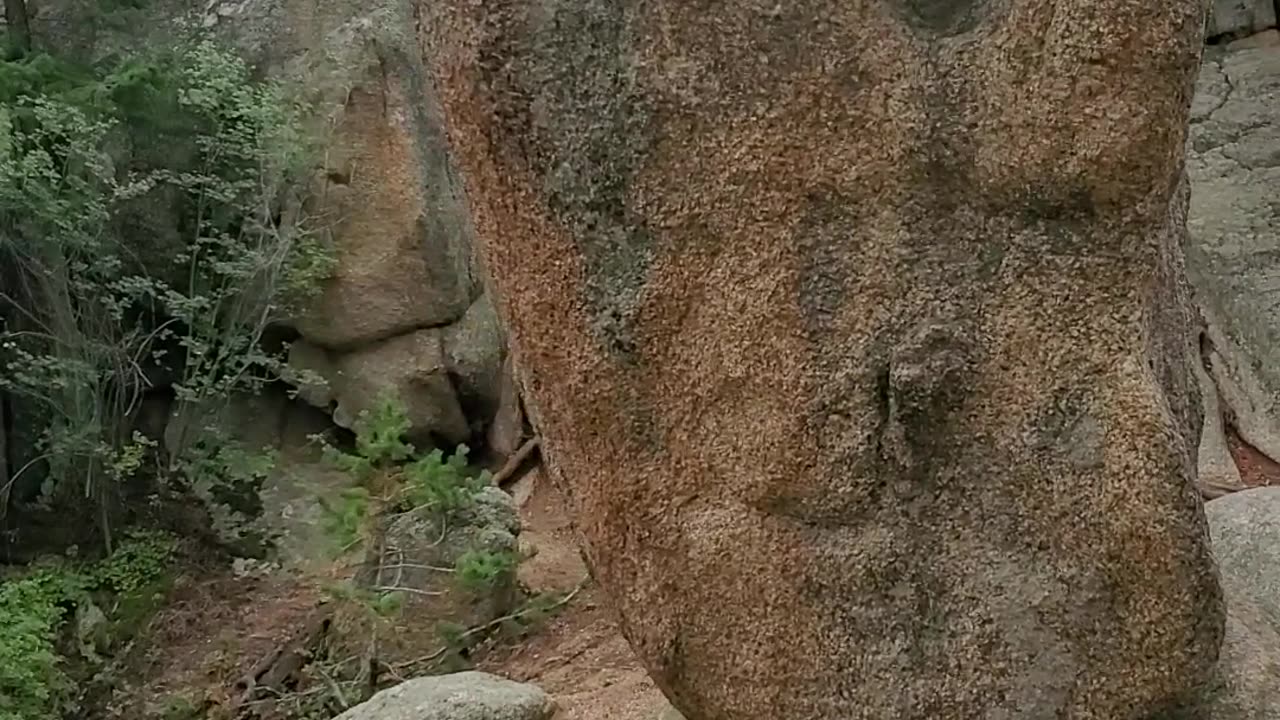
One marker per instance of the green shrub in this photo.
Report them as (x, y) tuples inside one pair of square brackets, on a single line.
[(480, 570), (32, 683), (187, 129), (344, 519), (138, 561), (32, 608), (379, 439), (440, 483)]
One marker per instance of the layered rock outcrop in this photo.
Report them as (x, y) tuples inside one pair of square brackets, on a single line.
[(866, 358)]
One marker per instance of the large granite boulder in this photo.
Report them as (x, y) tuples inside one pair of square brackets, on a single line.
[(865, 358), (450, 379), (1233, 253), (1246, 543), (411, 369), (384, 191)]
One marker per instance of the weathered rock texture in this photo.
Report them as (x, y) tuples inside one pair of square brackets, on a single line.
[(404, 311), (1217, 473), (450, 379), (1233, 253), (460, 696), (1246, 543), (404, 253), (1235, 18), (859, 334)]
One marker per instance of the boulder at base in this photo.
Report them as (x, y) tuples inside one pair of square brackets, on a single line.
[(460, 696), (1246, 542)]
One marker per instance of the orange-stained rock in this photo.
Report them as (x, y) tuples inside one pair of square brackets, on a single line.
[(859, 334)]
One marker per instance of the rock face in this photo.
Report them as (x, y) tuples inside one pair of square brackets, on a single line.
[(404, 310), (1246, 543), (460, 696), (1217, 473), (1233, 253), (450, 379), (1240, 17), (411, 368), (403, 245), (865, 359)]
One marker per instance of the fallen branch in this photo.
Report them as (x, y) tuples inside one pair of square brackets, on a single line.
[(416, 566), (415, 591), (338, 695), (510, 471), (275, 671)]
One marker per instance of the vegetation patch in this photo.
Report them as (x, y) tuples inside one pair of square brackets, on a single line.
[(34, 682), (153, 223)]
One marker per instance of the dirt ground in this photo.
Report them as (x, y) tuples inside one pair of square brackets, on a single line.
[(211, 631), (579, 658), (1256, 469), (215, 626)]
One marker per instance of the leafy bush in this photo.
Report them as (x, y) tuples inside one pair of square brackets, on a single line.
[(92, 307), (138, 561), (32, 681), (344, 519), (433, 482)]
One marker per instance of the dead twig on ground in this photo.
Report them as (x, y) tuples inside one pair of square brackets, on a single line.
[(415, 591), (510, 470), (273, 673), (416, 566), (334, 688)]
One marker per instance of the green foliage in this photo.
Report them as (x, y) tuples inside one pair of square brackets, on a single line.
[(180, 707), (125, 462), (481, 570), (344, 519), (32, 681), (380, 433), (220, 468), (139, 560), (458, 641), (388, 604), (441, 483), (91, 305), (379, 439), (433, 480), (227, 477), (378, 603)]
